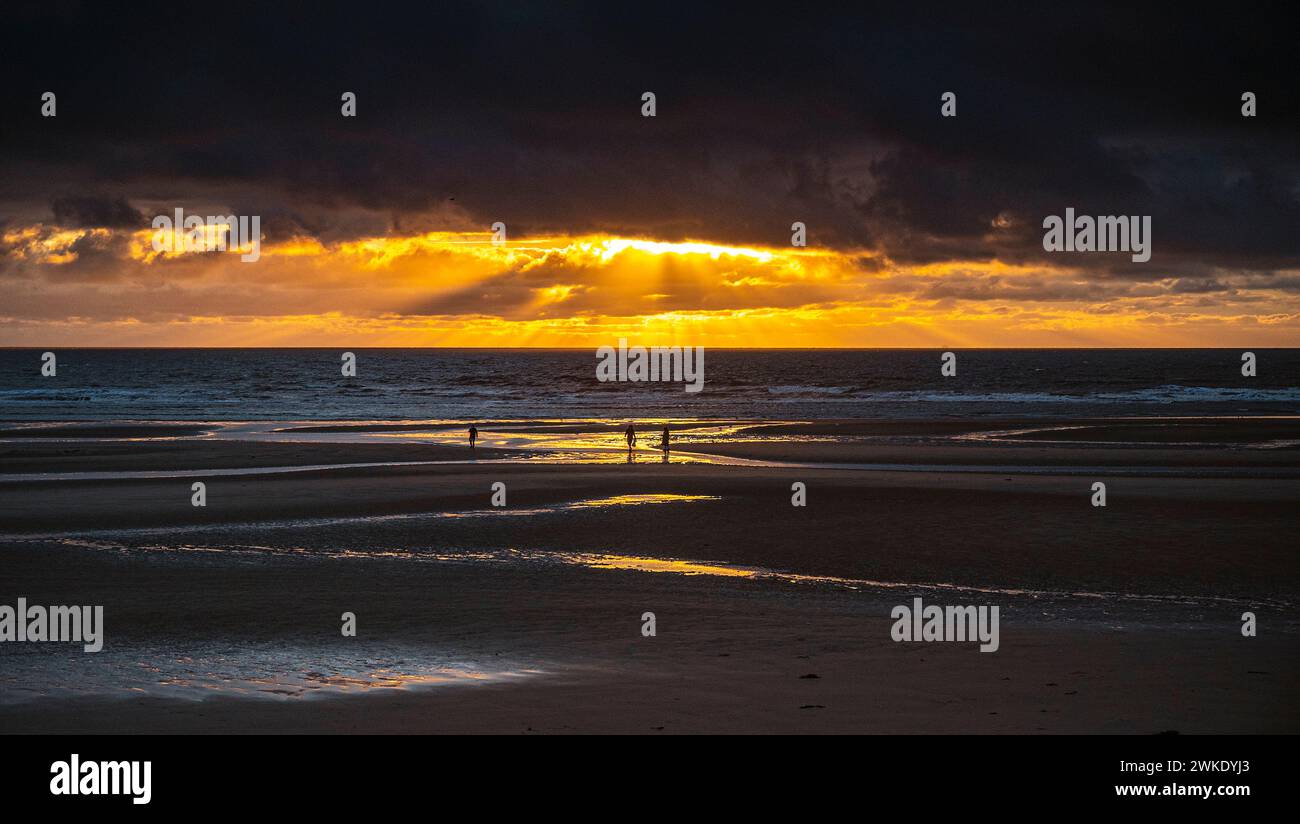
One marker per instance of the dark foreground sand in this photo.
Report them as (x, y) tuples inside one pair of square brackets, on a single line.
[(1152, 645)]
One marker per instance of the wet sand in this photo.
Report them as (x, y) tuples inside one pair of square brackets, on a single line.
[(1122, 619), (123, 455), (729, 655), (1223, 430)]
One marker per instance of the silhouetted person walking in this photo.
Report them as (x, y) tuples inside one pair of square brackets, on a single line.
[(473, 436), (630, 435), (664, 445)]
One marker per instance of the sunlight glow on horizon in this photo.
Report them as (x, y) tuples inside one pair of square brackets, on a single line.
[(460, 289)]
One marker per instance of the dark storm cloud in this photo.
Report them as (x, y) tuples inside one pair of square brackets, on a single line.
[(91, 212), (530, 114)]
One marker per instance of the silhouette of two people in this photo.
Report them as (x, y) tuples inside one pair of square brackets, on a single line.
[(630, 436)]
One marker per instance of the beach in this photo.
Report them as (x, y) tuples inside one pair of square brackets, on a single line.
[(587, 368), (768, 617)]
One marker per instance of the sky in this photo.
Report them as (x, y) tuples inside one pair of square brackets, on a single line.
[(376, 230)]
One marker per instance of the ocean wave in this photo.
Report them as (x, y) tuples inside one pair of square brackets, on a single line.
[(808, 390), (411, 384)]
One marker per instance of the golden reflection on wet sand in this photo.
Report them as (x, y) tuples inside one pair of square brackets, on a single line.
[(589, 503), (660, 565)]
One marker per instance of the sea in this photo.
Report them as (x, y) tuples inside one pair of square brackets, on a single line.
[(540, 384)]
